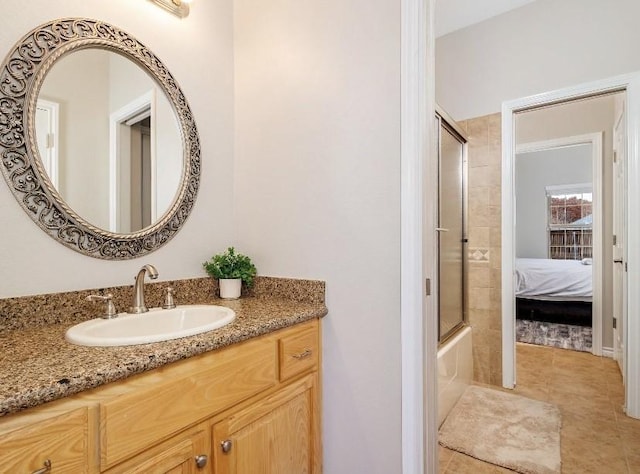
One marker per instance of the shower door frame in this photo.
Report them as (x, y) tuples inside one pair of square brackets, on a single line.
[(444, 120)]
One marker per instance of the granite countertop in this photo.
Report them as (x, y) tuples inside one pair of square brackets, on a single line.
[(38, 365)]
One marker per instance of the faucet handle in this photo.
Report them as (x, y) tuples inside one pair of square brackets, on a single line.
[(169, 302), (110, 312)]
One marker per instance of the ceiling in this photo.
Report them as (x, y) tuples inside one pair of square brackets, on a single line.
[(452, 15)]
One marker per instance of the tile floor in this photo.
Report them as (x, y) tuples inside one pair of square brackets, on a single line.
[(596, 436)]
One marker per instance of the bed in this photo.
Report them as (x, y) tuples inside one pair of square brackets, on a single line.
[(556, 291)]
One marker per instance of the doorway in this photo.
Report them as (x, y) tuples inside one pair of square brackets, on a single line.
[(140, 172), (561, 229), (629, 85)]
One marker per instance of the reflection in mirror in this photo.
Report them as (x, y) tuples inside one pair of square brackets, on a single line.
[(98, 143), (109, 140)]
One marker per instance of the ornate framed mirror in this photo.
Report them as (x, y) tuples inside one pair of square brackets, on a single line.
[(97, 141)]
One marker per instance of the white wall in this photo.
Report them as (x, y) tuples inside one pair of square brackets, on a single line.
[(318, 195), (534, 172), (79, 83), (202, 63), (543, 46)]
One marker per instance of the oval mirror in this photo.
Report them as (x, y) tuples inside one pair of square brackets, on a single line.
[(98, 142)]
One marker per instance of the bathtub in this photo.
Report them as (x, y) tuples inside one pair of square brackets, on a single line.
[(455, 370)]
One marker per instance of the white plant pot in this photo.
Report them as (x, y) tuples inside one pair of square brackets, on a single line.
[(230, 288)]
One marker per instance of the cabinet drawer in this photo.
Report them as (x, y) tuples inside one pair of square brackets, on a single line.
[(298, 351), (132, 422), (62, 440)]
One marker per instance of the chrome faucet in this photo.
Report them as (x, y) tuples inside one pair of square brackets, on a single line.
[(138, 289)]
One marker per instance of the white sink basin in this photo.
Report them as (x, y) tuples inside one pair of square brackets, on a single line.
[(155, 326)]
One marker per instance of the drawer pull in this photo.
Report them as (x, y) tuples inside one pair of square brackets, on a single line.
[(303, 355), (45, 469), (226, 445), (201, 461)]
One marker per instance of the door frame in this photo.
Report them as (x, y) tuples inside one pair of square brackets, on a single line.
[(53, 139), (418, 198), (619, 308), (135, 107), (631, 84), (597, 163)]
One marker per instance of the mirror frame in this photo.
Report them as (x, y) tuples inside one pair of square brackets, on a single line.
[(21, 76)]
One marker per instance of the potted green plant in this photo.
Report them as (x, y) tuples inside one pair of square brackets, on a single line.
[(231, 269)]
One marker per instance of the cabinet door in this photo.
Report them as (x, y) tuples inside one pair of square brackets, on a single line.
[(275, 436), (59, 444), (186, 453)]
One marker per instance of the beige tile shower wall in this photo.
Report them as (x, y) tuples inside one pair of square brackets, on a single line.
[(484, 229)]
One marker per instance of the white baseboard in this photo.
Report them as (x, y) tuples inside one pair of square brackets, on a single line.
[(607, 352)]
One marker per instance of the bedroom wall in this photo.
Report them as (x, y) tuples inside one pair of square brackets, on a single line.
[(534, 172)]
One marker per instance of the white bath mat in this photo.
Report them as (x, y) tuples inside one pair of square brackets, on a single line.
[(504, 429)]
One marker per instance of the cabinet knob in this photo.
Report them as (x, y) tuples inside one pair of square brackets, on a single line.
[(226, 445), (45, 469), (201, 461)]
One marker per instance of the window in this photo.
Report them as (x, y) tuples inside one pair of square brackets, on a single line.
[(570, 221)]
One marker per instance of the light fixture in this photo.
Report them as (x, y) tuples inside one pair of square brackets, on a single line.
[(177, 7)]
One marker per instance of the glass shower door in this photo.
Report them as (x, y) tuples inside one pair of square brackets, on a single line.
[(451, 229)]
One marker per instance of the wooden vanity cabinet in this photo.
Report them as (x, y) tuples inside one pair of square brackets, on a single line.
[(250, 408), (280, 433)]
